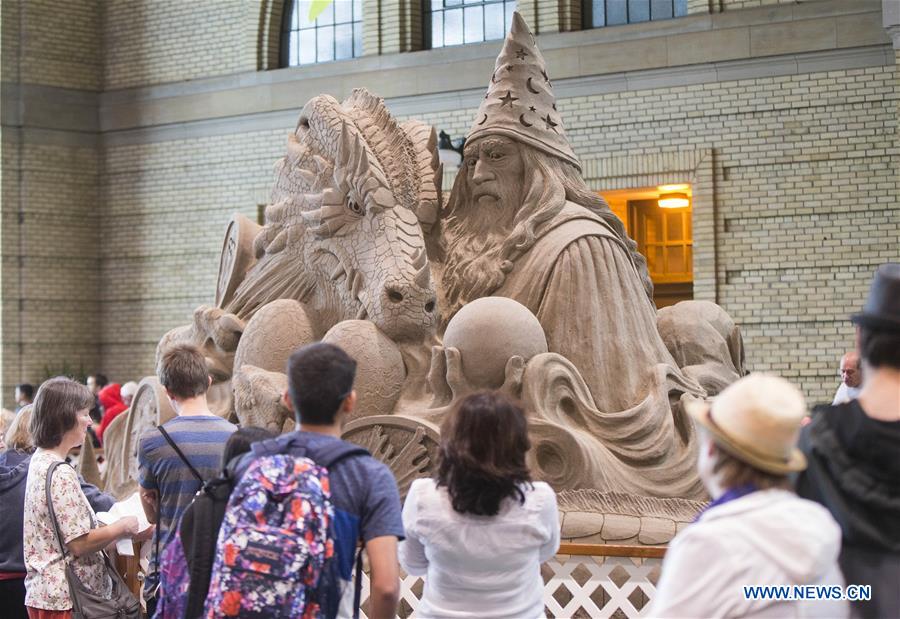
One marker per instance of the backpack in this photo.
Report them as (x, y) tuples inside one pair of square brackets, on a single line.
[(275, 555), (187, 560)]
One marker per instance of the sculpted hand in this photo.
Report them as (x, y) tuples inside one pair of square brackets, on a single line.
[(437, 378), (512, 383), (455, 377)]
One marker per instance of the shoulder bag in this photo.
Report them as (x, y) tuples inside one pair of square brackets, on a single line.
[(85, 603)]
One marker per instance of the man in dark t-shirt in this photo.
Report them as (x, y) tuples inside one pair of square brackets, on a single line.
[(320, 392), (852, 450)]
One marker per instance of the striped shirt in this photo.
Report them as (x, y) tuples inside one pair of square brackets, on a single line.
[(202, 440)]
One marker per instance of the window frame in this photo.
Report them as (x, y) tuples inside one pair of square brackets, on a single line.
[(587, 14), (286, 30), (427, 12)]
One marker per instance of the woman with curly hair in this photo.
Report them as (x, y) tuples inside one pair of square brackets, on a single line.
[(481, 528)]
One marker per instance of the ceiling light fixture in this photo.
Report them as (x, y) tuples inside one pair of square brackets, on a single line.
[(673, 200)]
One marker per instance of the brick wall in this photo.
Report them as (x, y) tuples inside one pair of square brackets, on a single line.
[(167, 206), (32, 49), (49, 203), (51, 248), (153, 42)]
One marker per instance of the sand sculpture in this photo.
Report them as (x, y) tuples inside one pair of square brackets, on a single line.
[(523, 280)]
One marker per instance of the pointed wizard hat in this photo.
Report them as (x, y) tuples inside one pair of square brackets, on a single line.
[(519, 102)]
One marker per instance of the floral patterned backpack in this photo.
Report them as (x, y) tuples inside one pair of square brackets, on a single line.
[(276, 543)]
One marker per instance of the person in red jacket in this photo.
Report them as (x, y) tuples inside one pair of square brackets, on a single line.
[(111, 401)]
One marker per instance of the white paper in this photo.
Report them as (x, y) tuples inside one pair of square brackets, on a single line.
[(129, 507)]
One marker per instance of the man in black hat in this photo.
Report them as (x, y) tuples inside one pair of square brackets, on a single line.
[(852, 451)]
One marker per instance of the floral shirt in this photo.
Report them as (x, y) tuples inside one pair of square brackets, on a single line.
[(45, 582)]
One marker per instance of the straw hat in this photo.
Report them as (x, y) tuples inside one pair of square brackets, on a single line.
[(520, 103), (756, 420)]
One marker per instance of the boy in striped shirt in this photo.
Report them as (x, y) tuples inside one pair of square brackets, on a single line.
[(167, 483)]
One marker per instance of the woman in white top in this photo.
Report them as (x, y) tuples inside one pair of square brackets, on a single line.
[(480, 530), (59, 422)]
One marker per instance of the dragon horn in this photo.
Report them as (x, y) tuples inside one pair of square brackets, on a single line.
[(345, 146), (419, 260), (423, 277)]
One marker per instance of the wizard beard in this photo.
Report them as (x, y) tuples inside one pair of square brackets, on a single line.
[(483, 239)]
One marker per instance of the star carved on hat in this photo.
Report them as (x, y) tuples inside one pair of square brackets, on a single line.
[(510, 67), (508, 99), (532, 109), (550, 124), (521, 54)]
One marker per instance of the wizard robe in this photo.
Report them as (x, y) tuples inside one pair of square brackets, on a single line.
[(580, 282)]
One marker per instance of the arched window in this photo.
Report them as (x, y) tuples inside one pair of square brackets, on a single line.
[(599, 13), (456, 22), (335, 34)]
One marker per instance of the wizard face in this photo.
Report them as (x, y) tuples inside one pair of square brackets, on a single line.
[(494, 170)]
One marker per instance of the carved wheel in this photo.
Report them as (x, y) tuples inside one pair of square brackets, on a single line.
[(409, 447), (237, 256)]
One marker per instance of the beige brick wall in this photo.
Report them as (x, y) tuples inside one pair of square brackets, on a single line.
[(546, 16), (167, 206), (157, 41), (49, 204), (32, 49), (397, 24), (50, 261)]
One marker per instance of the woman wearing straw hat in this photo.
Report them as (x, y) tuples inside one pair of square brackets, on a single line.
[(756, 531)]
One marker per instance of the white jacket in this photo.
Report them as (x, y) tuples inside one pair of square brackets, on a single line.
[(479, 566), (769, 537)]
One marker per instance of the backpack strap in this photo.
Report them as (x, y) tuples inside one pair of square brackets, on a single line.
[(328, 459), (193, 470), (357, 581), (180, 453), (340, 452)]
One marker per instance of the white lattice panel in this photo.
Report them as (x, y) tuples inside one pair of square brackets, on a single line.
[(598, 587), (574, 586)]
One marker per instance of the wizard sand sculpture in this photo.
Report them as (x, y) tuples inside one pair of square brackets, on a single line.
[(522, 280)]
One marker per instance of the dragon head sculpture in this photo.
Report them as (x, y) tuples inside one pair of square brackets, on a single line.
[(343, 233)]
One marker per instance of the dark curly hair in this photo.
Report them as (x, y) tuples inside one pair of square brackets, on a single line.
[(481, 462)]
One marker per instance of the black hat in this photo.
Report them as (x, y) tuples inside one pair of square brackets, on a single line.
[(882, 309)]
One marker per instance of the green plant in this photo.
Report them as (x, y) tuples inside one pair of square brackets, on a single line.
[(65, 369)]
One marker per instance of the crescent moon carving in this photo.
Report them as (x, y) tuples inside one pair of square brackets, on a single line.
[(483, 120), (531, 88), (524, 122)]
